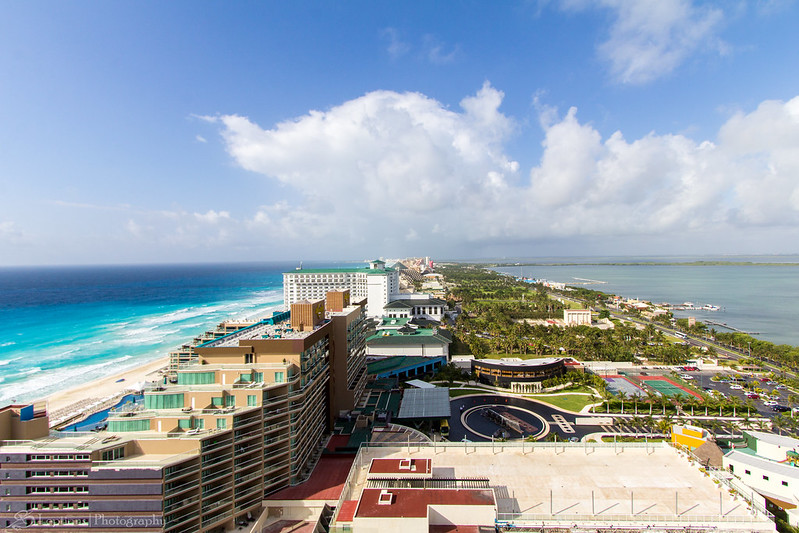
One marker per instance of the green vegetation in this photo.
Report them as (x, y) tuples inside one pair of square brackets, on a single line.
[(500, 313), (570, 402)]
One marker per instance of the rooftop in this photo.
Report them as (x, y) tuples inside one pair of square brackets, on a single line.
[(395, 363), (515, 361), (326, 481), (261, 330), (766, 464), (425, 403), (580, 483), (413, 503), (771, 438), (400, 466)]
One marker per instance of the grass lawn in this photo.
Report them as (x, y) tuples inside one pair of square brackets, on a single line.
[(570, 402)]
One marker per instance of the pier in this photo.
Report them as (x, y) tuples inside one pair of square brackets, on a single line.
[(731, 328)]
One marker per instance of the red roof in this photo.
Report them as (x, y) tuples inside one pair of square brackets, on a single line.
[(337, 441), (347, 512), (412, 503), (395, 466), (326, 482)]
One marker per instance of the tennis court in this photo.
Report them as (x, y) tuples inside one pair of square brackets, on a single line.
[(618, 384), (667, 387)]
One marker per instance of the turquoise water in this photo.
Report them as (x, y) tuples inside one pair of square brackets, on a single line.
[(66, 326), (754, 298)]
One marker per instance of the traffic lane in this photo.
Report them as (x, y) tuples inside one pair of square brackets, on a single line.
[(457, 431)]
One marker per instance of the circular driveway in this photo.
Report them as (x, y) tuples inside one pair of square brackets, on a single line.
[(471, 421)]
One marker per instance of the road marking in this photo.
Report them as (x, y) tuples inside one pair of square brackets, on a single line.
[(563, 424)]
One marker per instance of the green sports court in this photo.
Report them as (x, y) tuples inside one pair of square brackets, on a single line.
[(667, 387)]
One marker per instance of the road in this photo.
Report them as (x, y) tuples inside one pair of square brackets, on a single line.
[(560, 422)]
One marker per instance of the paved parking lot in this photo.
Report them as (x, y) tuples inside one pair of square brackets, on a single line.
[(701, 379)]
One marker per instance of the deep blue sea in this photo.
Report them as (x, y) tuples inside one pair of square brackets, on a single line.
[(755, 298), (68, 325)]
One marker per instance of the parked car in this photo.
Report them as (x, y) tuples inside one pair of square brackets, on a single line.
[(770, 403), (780, 408), (735, 386), (753, 396)]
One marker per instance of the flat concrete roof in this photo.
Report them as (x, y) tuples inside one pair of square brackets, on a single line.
[(583, 483)]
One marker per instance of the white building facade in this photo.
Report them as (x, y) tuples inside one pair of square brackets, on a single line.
[(768, 466), (376, 282)]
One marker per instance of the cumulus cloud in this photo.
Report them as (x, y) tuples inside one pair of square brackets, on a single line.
[(649, 39), (391, 168)]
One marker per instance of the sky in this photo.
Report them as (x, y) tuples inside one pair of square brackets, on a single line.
[(174, 132)]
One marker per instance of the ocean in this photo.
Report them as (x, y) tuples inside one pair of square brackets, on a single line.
[(68, 325), (761, 298), (64, 326)]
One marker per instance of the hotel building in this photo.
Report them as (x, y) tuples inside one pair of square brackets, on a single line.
[(247, 418), (378, 284)]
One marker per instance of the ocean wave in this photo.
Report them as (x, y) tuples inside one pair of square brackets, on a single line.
[(9, 361), (11, 343), (138, 331), (39, 384)]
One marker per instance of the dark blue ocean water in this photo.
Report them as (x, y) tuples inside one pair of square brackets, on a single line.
[(68, 325)]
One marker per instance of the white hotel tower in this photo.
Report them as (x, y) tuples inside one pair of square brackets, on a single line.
[(377, 283)]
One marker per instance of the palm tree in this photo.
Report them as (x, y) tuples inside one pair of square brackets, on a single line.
[(621, 396), (664, 424)]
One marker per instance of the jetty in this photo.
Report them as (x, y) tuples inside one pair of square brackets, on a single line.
[(731, 328)]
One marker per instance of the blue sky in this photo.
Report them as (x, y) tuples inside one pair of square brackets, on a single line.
[(181, 131)]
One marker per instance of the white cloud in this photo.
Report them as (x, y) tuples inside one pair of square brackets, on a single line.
[(437, 52), (390, 168), (396, 46), (212, 217), (200, 138), (9, 232), (649, 39)]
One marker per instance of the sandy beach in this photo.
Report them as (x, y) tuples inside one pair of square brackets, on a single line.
[(95, 395)]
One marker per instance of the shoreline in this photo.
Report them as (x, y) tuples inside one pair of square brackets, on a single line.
[(101, 393)]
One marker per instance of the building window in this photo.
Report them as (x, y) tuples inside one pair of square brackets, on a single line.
[(279, 377), (230, 401), (195, 378), (248, 358), (116, 453), (122, 426), (163, 401), (252, 400), (216, 401), (221, 423)]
